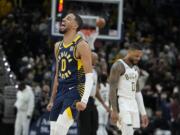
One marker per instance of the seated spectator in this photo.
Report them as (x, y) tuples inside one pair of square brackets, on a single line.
[(160, 125)]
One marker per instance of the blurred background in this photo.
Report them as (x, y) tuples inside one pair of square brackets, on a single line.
[(27, 37)]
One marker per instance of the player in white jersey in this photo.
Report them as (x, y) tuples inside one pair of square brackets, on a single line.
[(102, 112), (125, 96)]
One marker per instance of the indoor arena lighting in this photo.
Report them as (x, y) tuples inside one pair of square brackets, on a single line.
[(5, 64), (60, 6), (10, 75), (8, 69), (16, 86), (4, 58)]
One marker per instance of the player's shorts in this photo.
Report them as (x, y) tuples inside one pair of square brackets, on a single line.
[(130, 118), (129, 113), (62, 102)]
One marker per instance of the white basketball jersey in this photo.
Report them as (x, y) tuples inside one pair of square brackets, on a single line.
[(104, 92), (127, 82)]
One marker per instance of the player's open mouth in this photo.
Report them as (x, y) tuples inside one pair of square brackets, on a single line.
[(62, 25)]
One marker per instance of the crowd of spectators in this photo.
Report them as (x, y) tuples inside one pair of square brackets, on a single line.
[(25, 36)]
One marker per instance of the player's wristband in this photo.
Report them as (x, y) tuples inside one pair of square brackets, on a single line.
[(140, 103), (88, 87)]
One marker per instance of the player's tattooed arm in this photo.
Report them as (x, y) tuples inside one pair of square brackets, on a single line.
[(137, 83), (137, 86), (116, 71)]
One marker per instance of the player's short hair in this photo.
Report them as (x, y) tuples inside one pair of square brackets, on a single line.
[(79, 21), (135, 46)]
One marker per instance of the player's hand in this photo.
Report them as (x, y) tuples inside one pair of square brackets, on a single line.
[(49, 106), (80, 106), (114, 117), (145, 121)]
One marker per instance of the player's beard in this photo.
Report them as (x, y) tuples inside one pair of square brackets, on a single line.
[(133, 61), (62, 31)]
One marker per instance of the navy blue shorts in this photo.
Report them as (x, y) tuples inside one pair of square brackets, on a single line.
[(62, 102)]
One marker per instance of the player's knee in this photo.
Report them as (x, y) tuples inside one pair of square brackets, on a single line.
[(65, 120), (130, 129), (62, 125), (129, 125), (127, 129)]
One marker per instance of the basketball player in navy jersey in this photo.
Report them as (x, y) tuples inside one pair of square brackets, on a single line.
[(73, 79)]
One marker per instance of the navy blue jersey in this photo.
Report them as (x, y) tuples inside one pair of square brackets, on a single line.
[(71, 73)]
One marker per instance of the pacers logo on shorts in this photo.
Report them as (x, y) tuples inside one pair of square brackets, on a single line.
[(64, 60)]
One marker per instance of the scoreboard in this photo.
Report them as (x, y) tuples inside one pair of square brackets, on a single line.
[(90, 10)]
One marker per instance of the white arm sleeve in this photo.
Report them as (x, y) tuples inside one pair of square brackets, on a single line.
[(140, 102), (88, 87)]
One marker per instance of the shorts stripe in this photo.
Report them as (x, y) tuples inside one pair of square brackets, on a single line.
[(69, 113)]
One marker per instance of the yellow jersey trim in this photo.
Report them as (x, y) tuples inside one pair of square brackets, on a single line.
[(79, 64), (57, 49), (66, 46), (74, 53)]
